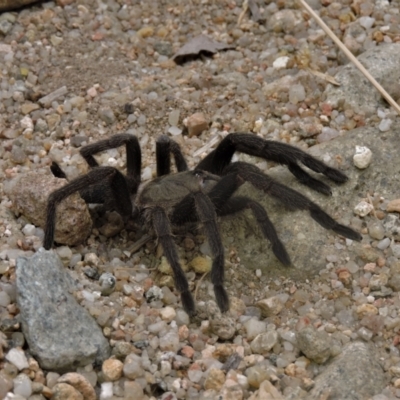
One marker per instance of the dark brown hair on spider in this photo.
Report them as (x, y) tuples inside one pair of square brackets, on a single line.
[(198, 196)]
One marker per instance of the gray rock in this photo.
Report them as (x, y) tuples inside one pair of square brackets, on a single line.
[(316, 345), (29, 193), (307, 243), (354, 375), (61, 335), (382, 63)]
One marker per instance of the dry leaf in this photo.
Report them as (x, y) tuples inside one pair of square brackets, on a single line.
[(200, 45)]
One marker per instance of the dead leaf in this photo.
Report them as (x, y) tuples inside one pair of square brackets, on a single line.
[(323, 76), (200, 45)]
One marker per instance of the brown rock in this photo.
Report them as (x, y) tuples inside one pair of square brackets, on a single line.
[(215, 379), (393, 206), (63, 391), (196, 124), (29, 193), (112, 369), (267, 391), (80, 383)]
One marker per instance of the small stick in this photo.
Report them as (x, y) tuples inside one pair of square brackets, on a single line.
[(198, 285), (349, 54), (139, 243)]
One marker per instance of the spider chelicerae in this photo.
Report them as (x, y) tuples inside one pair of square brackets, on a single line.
[(199, 195)]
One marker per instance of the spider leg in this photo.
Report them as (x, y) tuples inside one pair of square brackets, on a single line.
[(282, 153), (224, 204), (57, 171), (198, 207), (239, 203), (207, 215), (133, 156), (114, 193), (164, 147), (289, 197), (162, 228)]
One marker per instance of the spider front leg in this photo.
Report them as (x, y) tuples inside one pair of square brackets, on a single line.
[(114, 192), (207, 216), (162, 228), (133, 156), (164, 148), (282, 153)]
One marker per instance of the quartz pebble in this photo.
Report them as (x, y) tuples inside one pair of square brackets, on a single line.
[(363, 208), (17, 357), (362, 158)]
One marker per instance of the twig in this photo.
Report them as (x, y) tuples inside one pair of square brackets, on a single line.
[(353, 59), (139, 243), (245, 7), (198, 285)]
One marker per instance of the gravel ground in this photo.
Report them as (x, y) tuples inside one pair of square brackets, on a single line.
[(107, 66)]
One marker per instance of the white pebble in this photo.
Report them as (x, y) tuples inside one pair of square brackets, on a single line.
[(17, 357), (106, 391), (258, 273), (174, 131), (146, 174), (363, 208), (362, 158), (297, 93), (280, 62), (195, 375), (23, 386), (383, 244), (28, 230), (112, 162), (366, 22), (173, 118), (4, 299), (26, 123), (385, 125)]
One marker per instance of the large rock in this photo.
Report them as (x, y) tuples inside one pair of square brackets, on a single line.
[(13, 4), (29, 193), (383, 64), (61, 334), (354, 375), (307, 243)]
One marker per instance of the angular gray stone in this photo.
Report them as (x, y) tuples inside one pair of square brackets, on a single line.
[(316, 345), (307, 243), (60, 333), (382, 63), (353, 375)]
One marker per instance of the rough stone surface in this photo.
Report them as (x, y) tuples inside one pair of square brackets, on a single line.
[(47, 309), (29, 193), (307, 243), (356, 90), (354, 375), (314, 344)]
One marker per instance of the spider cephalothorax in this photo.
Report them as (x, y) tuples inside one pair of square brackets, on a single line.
[(198, 196)]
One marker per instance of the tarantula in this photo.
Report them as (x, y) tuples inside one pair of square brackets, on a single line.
[(199, 195)]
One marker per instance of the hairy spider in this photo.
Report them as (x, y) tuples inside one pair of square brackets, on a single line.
[(197, 196)]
